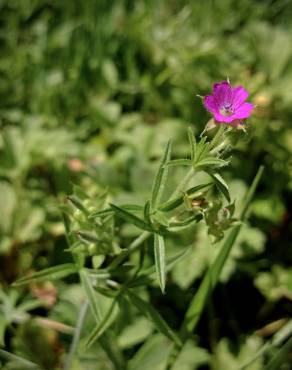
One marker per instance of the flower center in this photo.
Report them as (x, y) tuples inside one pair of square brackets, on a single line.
[(227, 110)]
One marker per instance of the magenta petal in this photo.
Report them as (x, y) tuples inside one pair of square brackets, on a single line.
[(219, 85), (228, 104), (220, 118), (239, 96), (243, 111), (222, 93), (210, 104)]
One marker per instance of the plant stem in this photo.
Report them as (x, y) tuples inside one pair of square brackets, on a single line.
[(76, 335), (183, 183), (132, 247)]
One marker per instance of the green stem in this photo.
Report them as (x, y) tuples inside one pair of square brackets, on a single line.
[(251, 192), (132, 247), (183, 183)]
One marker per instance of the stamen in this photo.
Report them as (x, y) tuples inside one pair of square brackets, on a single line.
[(226, 110)]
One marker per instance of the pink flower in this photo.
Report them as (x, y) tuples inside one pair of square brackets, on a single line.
[(228, 104)]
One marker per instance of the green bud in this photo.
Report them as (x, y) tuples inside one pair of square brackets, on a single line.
[(92, 249), (78, 215), (97, 261)]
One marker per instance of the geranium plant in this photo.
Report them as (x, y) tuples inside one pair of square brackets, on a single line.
[(110, 266)]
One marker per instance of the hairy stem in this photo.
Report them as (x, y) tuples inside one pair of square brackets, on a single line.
[(132, 247), (183, 183)]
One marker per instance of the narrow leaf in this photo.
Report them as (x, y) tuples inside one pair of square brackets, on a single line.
[(90, 294), (202, 149), (161, 177), (109, 211), (212, 161), (150, 312), (51, 273), (150, 272), (98, 331), (159, 254), (179, 162), (107, 343), (127, 216), (187, 222), (192, 141), (147, 212), (177, 201), (66, 221), (221, 185)]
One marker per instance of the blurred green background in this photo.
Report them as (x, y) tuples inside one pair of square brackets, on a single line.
[(90, 93)]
